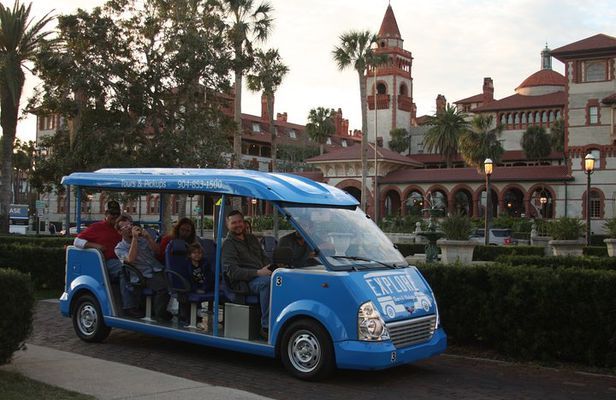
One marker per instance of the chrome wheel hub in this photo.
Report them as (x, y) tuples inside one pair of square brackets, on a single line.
[(304, 351)]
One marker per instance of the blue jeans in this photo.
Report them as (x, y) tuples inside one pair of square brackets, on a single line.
[(261, 286)]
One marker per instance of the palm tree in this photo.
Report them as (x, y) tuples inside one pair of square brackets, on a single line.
[(247, 24), (268, 72), (320, 125), (535, 142), (400, 140), (355, 50), (20, 40), (481, 142), (444, 135)]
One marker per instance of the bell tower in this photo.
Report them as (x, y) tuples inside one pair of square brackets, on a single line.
[(390, 86)]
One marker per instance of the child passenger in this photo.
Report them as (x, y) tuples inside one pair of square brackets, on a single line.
[(201, 271), (202, 279)]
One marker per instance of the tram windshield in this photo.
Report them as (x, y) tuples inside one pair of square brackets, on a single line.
[(346, 237)]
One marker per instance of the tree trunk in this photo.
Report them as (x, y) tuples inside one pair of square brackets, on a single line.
[(364, 140), (8, 120), (237, 118)]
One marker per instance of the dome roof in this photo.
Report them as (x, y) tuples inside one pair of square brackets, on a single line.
[(545, 77)]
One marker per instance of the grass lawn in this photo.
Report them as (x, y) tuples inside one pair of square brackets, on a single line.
[(14, 386)]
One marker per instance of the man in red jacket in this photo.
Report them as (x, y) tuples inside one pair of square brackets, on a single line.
[(103, 236)]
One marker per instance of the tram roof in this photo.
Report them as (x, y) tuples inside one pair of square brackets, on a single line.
[(262, 185)]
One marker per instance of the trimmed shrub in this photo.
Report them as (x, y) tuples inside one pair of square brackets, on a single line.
[(16, 308), (491, 253), (565, 228), (596, 251), (38, 241), (456, 227), (529, 312), (44, 264), (608, 263)]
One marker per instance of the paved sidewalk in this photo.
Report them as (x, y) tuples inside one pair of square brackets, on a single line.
[(108, 380)]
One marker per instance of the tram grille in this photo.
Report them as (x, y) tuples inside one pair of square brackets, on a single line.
[(413, 331)]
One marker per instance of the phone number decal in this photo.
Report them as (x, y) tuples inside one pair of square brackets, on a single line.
[(208, 184)]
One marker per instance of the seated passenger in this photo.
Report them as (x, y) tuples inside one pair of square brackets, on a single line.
[(139, 249), (202, 278), (300, 249), (243, 260), (103, 236), (184, 229)]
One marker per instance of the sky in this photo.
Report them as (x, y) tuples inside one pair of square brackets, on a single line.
[(454, 44)]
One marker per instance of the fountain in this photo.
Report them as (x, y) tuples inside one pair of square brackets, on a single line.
[(431, 234)]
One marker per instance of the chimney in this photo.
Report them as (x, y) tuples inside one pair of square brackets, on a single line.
[(488, 90), (281, 117), (441, 102), (264, 115)]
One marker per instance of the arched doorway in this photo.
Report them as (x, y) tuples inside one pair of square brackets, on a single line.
[(463, 202), (513, 202), (493, 203), (353, 191), (438, 199), (541, 203), (414, 203), (392, 203)]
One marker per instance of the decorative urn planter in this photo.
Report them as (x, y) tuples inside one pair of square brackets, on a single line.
[(453, 251), (611, 247), (567, 247)]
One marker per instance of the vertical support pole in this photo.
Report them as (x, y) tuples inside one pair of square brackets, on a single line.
[(218, 272), (488, 212)]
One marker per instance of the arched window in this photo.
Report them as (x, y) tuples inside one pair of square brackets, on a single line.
[(517, 118), (558, 114), (544, 117), (509, 119), (531, 118), (523, 118), (596, 154), (503, 119), (381, 88), (414, 203), (403, 90)]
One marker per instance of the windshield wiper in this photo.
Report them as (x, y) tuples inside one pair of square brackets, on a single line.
[(357, 258)]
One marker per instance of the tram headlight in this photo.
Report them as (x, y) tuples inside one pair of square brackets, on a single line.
[(370, 325)]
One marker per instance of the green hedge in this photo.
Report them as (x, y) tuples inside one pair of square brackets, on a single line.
[(491, 253), (39, 241), (44, 264), (536, 313), (586, 262), (597, 251), (16, 307)]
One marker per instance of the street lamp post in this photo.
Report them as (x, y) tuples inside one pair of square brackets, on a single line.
[(488, 168), (589, 167), (376, 139)]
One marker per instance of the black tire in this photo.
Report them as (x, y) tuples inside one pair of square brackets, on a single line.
[(306, 350), (88, 319)]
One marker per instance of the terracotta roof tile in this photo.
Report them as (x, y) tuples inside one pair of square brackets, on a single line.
[(354, 153), (473, 99), (600, 43), (518, 101), (389, 26), (544, 77), (504, 174), (508, 156)]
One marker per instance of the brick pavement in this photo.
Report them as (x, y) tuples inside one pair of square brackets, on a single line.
[(444, 377)]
